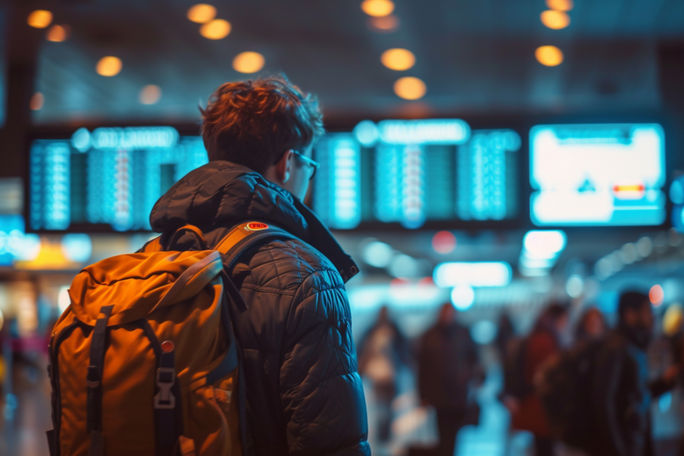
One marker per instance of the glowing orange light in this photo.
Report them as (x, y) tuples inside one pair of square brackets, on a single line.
[(216, 29), (36, 102), (377, 8), (57, 34), (628, 188), (384, 24), (201, 13), (410, 88), (398, 59), (559, 5), (39, 18), (555, 20), (150, 94), (248, 62), (444, 242), (108, 66), (549, 55), (656, 295)]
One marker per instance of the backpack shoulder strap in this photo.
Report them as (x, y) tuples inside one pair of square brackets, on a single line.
[(244, 236)]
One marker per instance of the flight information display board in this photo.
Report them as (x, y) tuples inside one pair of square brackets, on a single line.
[(597, 174), (415, 172), (106, 179), (407, 173)]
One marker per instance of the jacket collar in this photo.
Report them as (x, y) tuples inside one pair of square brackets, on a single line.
[(223, 194)]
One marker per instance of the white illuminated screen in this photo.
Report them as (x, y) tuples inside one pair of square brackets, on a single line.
[(597, 174)]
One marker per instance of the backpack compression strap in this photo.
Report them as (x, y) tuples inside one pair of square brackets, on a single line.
[(240, 239)]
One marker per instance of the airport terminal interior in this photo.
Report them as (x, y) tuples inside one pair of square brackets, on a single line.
[(495, 155)]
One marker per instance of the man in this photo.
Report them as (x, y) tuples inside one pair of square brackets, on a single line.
[(622, 391), (304, 396), (447, 365)]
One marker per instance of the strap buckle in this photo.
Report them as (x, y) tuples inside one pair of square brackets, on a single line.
[(166, 378), (93, 378)]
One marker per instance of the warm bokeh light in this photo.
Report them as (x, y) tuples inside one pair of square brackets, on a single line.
[(108, 66), (656, 295), (377, 8), (216, 29), (150, 94), (559, 5), (410, 88), (36, 102), (248, 62), (39, 18), (398, 59), (201, 13), (549, 55), (384, 24), (57, 34), (555, 20)]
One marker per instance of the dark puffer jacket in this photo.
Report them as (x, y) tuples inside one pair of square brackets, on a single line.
[(622, 397), (304, 395)]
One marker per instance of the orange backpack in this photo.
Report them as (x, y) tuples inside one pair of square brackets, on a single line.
[(144, 361)]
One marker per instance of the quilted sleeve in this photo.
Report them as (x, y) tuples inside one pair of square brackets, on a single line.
[(321, 391)]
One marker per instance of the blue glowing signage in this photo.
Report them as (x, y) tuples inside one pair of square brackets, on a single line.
[(338, 181), (485, 184), (108, 177), (597, 174), (426, 131)]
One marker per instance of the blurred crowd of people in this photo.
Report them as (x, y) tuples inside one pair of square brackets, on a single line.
[(576, 383)]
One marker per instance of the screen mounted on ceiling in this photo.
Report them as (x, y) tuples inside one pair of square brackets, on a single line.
[(107, 178), (413, 172), (597, 174)]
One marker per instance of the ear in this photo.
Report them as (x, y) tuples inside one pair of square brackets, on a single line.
[(281, 170)]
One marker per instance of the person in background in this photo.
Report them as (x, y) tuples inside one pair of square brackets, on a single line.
[(505, 335), (622, 391), (382, 352), (448, 365), (590, 326), (541, 345)]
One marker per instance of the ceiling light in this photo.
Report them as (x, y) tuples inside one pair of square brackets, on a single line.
[(108, 66), (549, 55), (559, 5), (377, 254), (463, 297), (398, 59), (384, 24), (36, 102), (409, 88), (473, 273), (150, 94), (201, 13), (248, 62), (39, 18), (216, 29), (555, 20), (57, 34), (377, 8), (544, 244)]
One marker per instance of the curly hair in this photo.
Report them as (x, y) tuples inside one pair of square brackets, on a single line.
[(254, 122)]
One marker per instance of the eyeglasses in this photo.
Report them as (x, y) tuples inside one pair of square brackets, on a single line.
[(313, 164)]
